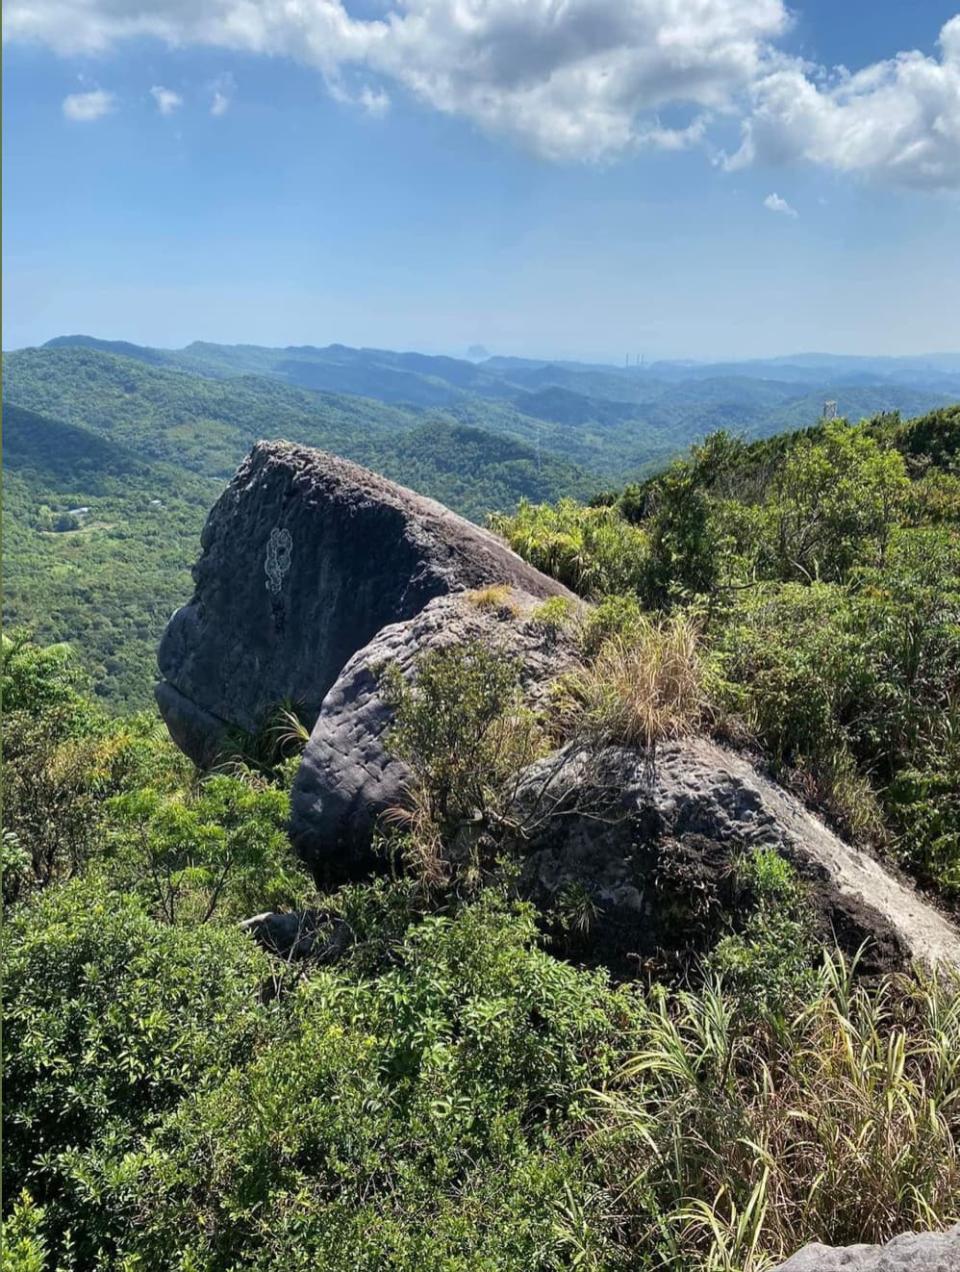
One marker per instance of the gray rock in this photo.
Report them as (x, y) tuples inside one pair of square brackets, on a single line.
[(347, 779), (910, 1252), (305, 557), (681, 819), (299, 934)]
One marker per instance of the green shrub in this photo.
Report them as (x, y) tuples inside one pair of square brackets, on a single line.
[(768, 961), (617, 615), (221, 850), (553, 614), (111, 1020), (592, 550), (466, 737), (415, 1121)]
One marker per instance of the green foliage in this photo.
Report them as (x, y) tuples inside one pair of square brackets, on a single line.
[(823, 569), (768, 962), (221, 851), (737, 1137), (553, 614), (111, 1019), (835, 503), (62, 760), (592, 550), (464, 734), (23, 1247)]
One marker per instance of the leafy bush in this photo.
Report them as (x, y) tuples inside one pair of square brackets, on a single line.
[(221, 850), (462, 730), (768, 961), (592, 550), (111, 1020)]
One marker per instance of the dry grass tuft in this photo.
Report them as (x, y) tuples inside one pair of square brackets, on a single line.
[(497, 596), (641, 689)]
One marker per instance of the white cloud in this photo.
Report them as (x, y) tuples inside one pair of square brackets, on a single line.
[(897, 121), (84, 108), (577, 79), (774, 203), (222, 91), (167, 100), (583, 79)]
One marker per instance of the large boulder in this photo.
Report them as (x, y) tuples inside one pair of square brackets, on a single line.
[(638, 831), (910, 1252), (348, 778), (305, 557)]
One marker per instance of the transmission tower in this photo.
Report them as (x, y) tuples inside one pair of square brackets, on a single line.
[(829, 410)]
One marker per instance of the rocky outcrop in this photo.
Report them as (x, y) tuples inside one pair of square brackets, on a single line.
[(314, 573), (305, 557), (674, 825), (910, 1252), (294, 935), (347, 778)]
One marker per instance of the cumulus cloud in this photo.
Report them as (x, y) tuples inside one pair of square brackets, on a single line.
[(578, 80), (898, 120), (167, 100), (774, 203), (84, 108)]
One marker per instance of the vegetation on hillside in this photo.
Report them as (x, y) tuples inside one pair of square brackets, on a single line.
[(112, 464), (450, 1093), (822, 572)]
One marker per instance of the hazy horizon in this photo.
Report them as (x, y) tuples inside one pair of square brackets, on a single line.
[(438, 349)]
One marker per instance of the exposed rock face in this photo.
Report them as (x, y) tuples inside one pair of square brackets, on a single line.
[(910, 1252), (298, 934), (679, 822), (305, 558), (315, 572), (347, 779)]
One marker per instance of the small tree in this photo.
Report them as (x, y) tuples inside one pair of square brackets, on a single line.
[(835, 504)]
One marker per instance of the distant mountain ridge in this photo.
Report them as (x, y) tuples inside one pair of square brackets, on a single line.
[(143, 438), (611, 420)]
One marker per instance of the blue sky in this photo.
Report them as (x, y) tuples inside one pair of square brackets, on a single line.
[(576, 180)]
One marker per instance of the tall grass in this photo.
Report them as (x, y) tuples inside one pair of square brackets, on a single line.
[(643, 687), (732, 1140)]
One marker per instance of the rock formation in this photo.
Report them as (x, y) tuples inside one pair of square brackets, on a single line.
[(910, 1252), (347, 779), (305, 557), (315, 572), (676, 822)]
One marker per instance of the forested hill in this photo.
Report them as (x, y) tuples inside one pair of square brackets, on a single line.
[(144, 451), (615, 420), (144, 439)]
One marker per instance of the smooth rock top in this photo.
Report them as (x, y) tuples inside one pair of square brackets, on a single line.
[(305, 557), (910, 1252)]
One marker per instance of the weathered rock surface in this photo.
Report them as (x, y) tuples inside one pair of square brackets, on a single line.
[(305, 557), (299, 934), (910, 1252), (679, 821), (347, 779)]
